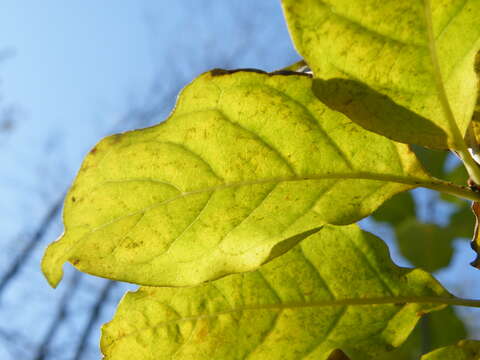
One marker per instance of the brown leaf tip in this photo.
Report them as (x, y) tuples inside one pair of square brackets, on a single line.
[(476, 263), (474, 242), (222, 72)]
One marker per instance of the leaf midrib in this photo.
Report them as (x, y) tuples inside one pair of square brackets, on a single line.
[(400, 300), (413, 181), (437, 74)]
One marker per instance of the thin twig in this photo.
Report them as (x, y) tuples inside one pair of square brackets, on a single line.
[(60, 316), (22, 257), (94, 315)]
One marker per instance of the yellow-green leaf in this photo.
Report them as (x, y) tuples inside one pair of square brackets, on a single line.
[(338, 289), (377, 61), (445, 327), (247, 165), (464, 350)]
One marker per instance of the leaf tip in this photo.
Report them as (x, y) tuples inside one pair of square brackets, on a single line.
[(52, 264)]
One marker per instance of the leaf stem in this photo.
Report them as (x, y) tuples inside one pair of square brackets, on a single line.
[(370, 301), (460, 146), (396, 300), (451, 189), (406, 300)]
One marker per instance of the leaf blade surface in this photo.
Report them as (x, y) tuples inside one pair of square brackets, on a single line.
[(338, 289), (247, 164), (373, 55)]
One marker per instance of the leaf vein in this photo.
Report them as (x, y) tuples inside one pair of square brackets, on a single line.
[(314, 120)]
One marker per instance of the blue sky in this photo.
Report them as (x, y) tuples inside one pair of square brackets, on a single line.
[(78, 67)]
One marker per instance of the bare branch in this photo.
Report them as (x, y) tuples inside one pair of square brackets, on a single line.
[(60, 316), (22, 257), (94, 315), (7, 53)]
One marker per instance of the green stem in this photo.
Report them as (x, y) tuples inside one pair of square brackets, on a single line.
[(400, 301), (460, 146), (451, 189), (372, 301)]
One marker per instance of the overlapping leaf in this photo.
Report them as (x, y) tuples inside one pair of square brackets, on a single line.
[(462, 222), (425, 245), (377, 63), (464, 350), (396, 210), (247, 165), (435, 330), (432, 160), (338, 289)]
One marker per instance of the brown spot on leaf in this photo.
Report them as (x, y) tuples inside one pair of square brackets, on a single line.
[(202, 334), (134, 244), (116, 138), (389, 347), (74, 199), (338, 354), (75, 261), (93, 151)]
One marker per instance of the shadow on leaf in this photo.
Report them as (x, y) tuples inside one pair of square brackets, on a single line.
[(378, 113)]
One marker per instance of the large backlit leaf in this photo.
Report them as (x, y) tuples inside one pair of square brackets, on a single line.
[(464, 350), (376, 61), (247, 165), (338, 289)]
